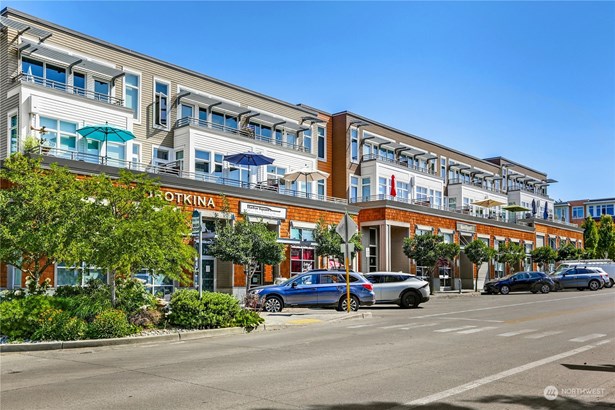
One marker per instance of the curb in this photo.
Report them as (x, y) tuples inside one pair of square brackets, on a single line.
[(449, 295), (173, 337)]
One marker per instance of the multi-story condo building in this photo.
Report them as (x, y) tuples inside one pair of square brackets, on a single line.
[(55, 81), (576, 211)]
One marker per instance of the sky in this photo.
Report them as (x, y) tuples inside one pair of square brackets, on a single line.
[(533, 82)]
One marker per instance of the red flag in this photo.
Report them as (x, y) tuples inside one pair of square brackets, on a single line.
[(393, 190)]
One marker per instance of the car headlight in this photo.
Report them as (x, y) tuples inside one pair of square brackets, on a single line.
[(256, 291)]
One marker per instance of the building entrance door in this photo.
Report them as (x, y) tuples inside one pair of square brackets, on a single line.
[(209, 265)]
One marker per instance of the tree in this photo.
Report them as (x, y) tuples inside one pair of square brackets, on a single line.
[(590, 237), (134, 228), (329, 242), (544, 255), (478, 253), (427, 250), (606, 238), (41, 216), (510, 253), (246, 243), (568, 252)]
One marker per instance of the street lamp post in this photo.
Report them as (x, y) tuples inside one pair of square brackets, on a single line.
[(197, 233)]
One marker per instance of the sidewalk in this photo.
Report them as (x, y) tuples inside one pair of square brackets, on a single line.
[(273, 321)]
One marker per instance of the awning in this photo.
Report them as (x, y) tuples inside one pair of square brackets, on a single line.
[(493, 177), (24, 28), (515, 240), (391, 145), (408, 151), (552, 236), (375, 139), (197, 98), (483, 236), (233, 109), (459, 167), (424, 227), (303, 225), (268, 119), (30, 48), (478, 172), (499, 238), (447, 231), (426, 156), (291, 126), (260, 219)]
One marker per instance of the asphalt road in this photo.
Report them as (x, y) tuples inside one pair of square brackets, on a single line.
[(468, 352)]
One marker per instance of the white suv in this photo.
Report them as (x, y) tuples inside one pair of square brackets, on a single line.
[(400, 288)]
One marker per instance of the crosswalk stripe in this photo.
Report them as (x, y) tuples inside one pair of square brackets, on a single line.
[(394, 326), (452, 329), (480, 329), (518, 332), (588, 337), (417, 326), (544, 334), (356, 326)]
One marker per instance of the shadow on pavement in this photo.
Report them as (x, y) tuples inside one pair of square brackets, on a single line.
[(601, 368)]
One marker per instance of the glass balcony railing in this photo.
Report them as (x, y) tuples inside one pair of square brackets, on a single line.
[(476, 184), (247, 133), (527, 189), (69, 89), (405, 164), (176, 169)]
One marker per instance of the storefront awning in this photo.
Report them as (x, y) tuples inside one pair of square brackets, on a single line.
[(267, 221), (424, 227), (447, 231), (303, 225), (500, 238)]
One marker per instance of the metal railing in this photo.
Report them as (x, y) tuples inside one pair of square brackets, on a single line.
[(68, 89), (527, 189), (244, 132), (176, 168), (405, 164), (476, 184)]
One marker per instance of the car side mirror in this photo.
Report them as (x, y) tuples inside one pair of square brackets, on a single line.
[(294, 285)]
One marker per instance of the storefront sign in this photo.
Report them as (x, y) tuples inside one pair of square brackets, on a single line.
[(461, 227), (180, 198), (262, 210)]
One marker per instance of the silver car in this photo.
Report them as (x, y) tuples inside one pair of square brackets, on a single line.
[(400, 288)]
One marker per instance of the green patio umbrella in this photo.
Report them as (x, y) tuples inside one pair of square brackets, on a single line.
[(106, 133)]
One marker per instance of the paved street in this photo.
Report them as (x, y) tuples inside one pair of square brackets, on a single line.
[(467, 352)]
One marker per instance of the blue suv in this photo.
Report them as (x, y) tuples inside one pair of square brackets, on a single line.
[(317, 288)]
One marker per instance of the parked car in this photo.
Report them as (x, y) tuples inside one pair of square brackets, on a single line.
[(606, 265), (318, 288), (520, 282), (580, 278), (400, 288)]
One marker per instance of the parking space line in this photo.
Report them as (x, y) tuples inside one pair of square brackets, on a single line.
[(480, 329), (417, 326), (544, 334), (357, 326), (394, 326), (452, 329), (587, 338), (518, 332)]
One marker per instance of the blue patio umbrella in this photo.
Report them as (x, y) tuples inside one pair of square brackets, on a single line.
[(545, 214), (106, 133), (248, 158)]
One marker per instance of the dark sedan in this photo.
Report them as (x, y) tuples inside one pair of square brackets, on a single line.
[(520, 282)]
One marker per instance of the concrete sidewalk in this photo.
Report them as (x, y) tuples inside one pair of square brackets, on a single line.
[(273, 321)]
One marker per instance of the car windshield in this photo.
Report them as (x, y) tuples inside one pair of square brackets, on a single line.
[(560, 269)]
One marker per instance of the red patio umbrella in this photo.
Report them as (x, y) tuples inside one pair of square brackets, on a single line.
[(393, 190)]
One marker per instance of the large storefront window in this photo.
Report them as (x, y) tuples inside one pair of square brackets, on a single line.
[(77, 276), (158, 285), (302, 259)]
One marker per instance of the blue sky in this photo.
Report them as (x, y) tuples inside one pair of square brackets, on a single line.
[(531, 81)]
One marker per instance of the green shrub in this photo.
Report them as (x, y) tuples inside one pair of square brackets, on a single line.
[(215, 310), (248, 319), (20, 318), (84, 307), (131, 295), (59, 325), (110, 323)]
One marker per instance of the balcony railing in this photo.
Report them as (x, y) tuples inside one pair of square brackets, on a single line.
[(175, 168), (246, 132), (527, 189), (476, 184), (69, 89), (405, 164)]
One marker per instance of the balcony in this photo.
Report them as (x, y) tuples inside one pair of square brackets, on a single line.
[(247, 133), (175, 169), (403, 164), (527, 189), (476, 184), (68, 89)]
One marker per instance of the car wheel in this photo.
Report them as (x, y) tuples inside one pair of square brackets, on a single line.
[(504, 290), (593, 285), (609, 284), (354, 304), (273, 304), (545, 288), (408, 300)]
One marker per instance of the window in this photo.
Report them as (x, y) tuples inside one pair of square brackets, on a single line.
[(13, 134), (443, 168), (421, 193), (275, 174), (261, 132), (33, 69), (218, 169), (115, 153), (61, 135), (307, 140), (131, 93), (383, 188), (321, 135), (223, 121), (135, 156), (402, 190), (366, 188), (448, 237), (187, 111), (291, 139), (302, 260), (77, 275), (354, 145), (599, 210), (437, 199), (354, 188), (302, 234), (577, 212), (101, 90), (79, 85), (161, 156), (321, 188), (161, 91), (202, 162)]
